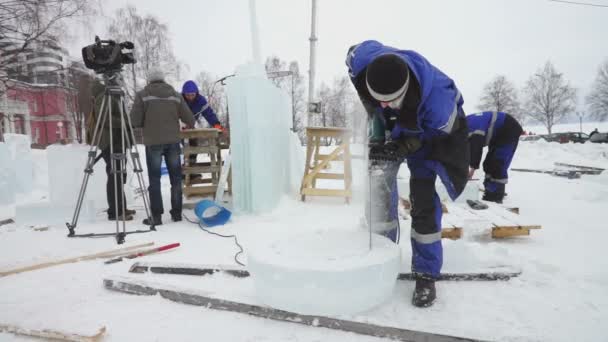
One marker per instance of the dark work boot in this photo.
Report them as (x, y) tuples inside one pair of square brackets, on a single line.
[(492, 197), (157, 220), (176, 216), (424, 293), (127, 217)]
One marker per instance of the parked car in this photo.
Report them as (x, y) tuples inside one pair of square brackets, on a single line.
[(599, 138), (565, 137), (530, 137)]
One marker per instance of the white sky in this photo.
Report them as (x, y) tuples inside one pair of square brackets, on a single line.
[(470, 40)]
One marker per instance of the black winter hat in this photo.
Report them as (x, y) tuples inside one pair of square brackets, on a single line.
[(387, 77)]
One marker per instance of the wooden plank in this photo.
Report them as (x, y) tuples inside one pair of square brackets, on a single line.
[(197, 181), (200, 169), (325, 156), (199, 133), (200, 190), (54, 335), (330, 176), (308, 179), (451, 233), (502, 232), (326, 192), (200, 149), (332, 132), (105, 254)]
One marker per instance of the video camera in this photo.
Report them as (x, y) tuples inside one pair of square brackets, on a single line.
[(107, 56)]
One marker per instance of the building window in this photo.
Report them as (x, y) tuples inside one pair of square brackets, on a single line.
[(37, 135), (59, 131)]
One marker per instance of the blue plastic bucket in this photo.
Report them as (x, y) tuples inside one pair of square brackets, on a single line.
[(205, 209)]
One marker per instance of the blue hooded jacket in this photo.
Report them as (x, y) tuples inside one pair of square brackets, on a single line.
[(440, 102), (199, 106)]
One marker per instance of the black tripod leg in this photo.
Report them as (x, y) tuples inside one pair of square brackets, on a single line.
[(91, 160)]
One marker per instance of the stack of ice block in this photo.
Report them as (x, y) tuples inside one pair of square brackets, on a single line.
[(259, 121)]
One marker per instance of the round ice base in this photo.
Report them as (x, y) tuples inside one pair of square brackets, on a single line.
[(325, 272)]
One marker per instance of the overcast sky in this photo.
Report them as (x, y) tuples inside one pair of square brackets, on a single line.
[(470, 40)]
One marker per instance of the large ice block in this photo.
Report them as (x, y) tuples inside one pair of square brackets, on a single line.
[(66, 164), (325, 272), (259, 123), (51, 214), (7, 176), (21, 153)]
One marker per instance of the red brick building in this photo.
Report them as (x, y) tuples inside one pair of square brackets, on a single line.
[(44, 96), (52, 112)]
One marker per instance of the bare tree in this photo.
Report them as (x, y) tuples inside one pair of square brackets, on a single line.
[(340, 106), (500, 95), (288, 77), (23, 22), (549, 96), (597, 100), (152, 46), (215, 94), (80, 103)]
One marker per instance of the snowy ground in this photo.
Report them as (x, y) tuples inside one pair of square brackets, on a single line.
[(562, 294)]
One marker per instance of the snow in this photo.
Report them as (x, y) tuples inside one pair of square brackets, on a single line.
[(307, 273), (562, 294)]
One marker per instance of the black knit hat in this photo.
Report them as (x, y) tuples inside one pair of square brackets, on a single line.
[(387, 77)]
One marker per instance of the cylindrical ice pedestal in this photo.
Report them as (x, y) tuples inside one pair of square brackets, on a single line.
[(325, 272)]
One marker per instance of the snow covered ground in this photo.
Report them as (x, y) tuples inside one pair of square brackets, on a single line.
[(562, 294)]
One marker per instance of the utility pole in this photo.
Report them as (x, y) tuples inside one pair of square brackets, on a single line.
[(312, 60), (580, 117)]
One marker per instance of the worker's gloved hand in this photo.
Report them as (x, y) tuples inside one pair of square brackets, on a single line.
[(219, 127), (394, 150)]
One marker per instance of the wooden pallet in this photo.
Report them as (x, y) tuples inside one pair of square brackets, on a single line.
[(504, 222), (210, 144)]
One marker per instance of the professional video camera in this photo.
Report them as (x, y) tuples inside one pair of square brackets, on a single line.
[(107, 56)]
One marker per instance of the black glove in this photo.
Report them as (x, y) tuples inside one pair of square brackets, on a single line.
[(394, 150)]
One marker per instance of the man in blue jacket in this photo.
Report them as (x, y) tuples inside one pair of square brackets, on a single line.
[(500, 132), (416, 116), (201, 109)]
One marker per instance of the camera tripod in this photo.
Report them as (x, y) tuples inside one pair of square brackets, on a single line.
[(118, 159)]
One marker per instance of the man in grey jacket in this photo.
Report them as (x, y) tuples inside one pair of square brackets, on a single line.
[(158, 108)]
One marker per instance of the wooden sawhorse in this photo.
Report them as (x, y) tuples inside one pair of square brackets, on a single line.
[(316, 162)]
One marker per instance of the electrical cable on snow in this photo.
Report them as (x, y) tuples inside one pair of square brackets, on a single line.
[(236, 241)]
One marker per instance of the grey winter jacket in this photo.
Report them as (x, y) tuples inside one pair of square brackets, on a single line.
[(158, 109)]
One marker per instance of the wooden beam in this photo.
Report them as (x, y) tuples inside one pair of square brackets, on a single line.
[(326, 192), (308, 179), (454, 233), (501, 232), (200, 169), (106, 254), (54, 335), (200, 149), (330, 176), (199, 133)]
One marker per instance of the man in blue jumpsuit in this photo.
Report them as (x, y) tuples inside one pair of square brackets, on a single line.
[(201, 109), (416, 116), (500, 132)]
